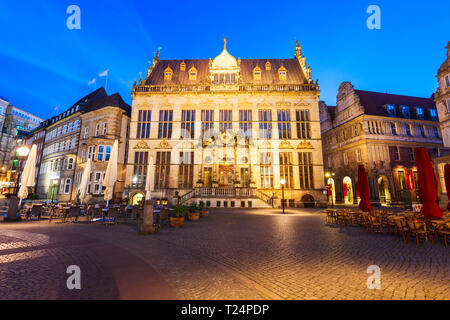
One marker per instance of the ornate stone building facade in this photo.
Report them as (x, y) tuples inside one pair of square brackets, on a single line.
[(228, 132), (380, 131), (15, 124), (102, 122), (442, 99), (67, 146)]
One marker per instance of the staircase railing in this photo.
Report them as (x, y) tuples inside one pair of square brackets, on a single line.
[(226, 192), (264, 197)]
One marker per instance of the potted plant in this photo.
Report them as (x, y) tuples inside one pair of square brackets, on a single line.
[(203, 209), (194, 213), (177, 217)]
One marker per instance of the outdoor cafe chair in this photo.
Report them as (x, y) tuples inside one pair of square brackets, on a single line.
[(36, 211), (375, 222), (74, 213), (111, 216), (444, 231), (401, 227), (418, 230)]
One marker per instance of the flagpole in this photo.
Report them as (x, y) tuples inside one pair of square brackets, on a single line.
[(106, 85)]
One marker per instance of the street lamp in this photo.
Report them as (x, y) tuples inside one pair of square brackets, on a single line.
[(21, 153), (283, 182)]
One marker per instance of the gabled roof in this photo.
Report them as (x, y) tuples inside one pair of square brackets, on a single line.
[(294, 73), (114, 100), (374, 103), (179, 77)]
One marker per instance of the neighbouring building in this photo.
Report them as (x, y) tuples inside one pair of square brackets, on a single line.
[(227, 132), (442, 99), (380, 131), (16, 124), (102, 122), (66, 144)]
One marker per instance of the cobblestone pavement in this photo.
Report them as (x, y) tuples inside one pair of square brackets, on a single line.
[(232, 254)]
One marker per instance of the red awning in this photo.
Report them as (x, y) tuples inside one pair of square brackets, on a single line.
[(447, 182), (363, 190), (428, 187)]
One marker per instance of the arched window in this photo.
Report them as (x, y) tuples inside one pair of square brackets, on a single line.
[(257, 73), (183, 66), (168, 74), (192, 73), (282, 73)]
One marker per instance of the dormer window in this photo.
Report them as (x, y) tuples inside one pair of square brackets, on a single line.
[(405, 111), (183, 66), (257, 73), (268, 66), (192, 73), (419, 112), (168, 74), (391, 109), (282, 73), (433, 115)]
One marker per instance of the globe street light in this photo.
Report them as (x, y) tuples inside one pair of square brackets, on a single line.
[(21, 153), (283, 182)]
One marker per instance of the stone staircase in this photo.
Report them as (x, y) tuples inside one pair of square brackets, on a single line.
[(228, 197)]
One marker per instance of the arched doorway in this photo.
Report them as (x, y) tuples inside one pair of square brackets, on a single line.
[(137, 199), (331, 191), (348, 190), (308, 201), (383, 190)]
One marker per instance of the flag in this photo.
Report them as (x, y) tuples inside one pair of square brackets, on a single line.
[(92, 81), (104, 73), (56, 108)]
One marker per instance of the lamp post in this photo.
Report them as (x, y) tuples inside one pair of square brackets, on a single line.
[(283, 182), (328, 175), (21, 153)]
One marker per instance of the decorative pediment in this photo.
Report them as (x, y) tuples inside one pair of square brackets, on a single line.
[(265, 105), (302, 104), (283, 104), (305, 145), (285, 145), (186, 145), (265, 144), (142, 145), (164, 145)]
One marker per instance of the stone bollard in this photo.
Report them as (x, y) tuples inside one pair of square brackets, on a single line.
[(147, 223), (13, 210)]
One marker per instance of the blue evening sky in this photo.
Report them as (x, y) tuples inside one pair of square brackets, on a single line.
[(44, 65)]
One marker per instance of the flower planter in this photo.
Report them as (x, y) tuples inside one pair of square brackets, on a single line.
[(204, 213), (176, 222), (194, 216)]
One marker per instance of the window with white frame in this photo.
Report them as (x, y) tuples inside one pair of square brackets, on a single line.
[(67, 186), (101, 150), (97, 129), (105, 127), (70, 164)]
